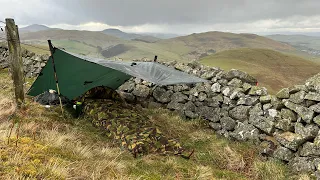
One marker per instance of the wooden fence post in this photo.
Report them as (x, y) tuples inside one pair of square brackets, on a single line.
[(16, 63)]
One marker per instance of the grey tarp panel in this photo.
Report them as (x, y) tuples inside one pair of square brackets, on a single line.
[(149, 71)]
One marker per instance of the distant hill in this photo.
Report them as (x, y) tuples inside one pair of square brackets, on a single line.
[(184, 48), (273, 69), (307, 44), (80, 42), (129, 36), (203, 44), (161, 35), (34, 28), (120, 34), (87, 37), (197, 46), (223, 40)]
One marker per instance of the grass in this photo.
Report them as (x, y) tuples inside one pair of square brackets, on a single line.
[(273, 70), (52, 147)]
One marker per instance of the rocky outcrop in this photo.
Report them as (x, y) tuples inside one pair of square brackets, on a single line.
[(32, 63), (238, 109)]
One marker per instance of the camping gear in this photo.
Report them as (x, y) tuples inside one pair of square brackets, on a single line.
[(50, 98), (132, 130), (78, 74)]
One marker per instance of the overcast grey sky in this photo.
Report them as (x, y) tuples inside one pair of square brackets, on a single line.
[(168, 16)]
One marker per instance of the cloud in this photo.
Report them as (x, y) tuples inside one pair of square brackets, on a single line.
[(178, 16)]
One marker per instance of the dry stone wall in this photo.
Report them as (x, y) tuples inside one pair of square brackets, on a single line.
[(286, 125), (32, 63)]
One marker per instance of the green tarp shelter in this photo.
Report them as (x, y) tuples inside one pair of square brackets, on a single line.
[(78, 74)]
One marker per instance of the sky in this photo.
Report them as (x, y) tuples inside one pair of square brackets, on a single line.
[(168, 16)]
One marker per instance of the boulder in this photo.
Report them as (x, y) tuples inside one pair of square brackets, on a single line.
[(256, 110), (233, 73), (127, 86), (127, 96), (223, 82), (305, 113), (237, 93), (272, 113), (209, 74), (211, 114), (246, 87), (248, 100), (189, 106), (313, 83), (191, 115), (317, 120), (288, 114), (216, 87), (141, 91), (315, 108), (179, 88), (240, 113), (290, 140), (179, 97), (245, 131), (258, 91), (202, 96), (310, 149), (297, 88), (307, 132), (215, 126), (228, 123), (283, 153), (265, 107), (162, 95), (297, 97), (301, 164), (218, 98), (226, 91), (284, 124), (276, 103), (175, 106), (263, 123), (283, 93), (183, 67), (212, 102), (313, 96), (235, 82), (265, 99)]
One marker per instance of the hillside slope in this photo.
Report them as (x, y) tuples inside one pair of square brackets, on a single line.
[(196, 46), (34, 28), (129, 36), (273, 70), (220, 41), (184, 48), (89, 37), (307, 46)]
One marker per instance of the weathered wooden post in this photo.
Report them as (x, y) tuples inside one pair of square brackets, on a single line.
[(16, 63)]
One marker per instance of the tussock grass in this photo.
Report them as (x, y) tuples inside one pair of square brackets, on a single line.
[(7, 107), (54, 147)]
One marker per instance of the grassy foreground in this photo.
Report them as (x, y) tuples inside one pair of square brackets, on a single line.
[(52, 147)]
